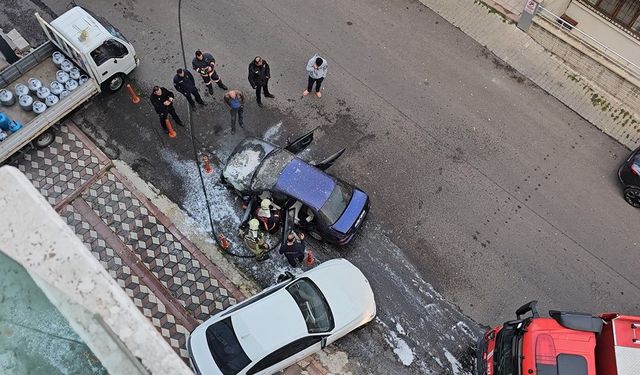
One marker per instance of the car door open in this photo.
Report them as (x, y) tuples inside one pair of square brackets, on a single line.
[(300, 143), (326, 163)]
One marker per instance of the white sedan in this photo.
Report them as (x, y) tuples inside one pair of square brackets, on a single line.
[(284, 323)]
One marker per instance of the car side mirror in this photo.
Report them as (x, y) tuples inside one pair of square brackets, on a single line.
[(323, 342)]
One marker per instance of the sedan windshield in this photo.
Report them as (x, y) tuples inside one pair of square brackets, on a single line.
[(314, 307), (225, 348), (336, 203), (504, 356)]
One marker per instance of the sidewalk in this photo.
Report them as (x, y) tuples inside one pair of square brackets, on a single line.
[(168, 278)]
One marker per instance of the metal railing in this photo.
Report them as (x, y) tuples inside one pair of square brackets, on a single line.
[(591, 41)]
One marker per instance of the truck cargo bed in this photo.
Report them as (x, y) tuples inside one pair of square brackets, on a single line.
[(37, 64), (46, 73)]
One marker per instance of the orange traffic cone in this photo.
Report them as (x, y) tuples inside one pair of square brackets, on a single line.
[(207, 166), (224, 242), (135, 99), (309, 259), (172, 133)]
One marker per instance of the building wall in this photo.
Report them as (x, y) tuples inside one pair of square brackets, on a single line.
[(558, 7), (604, 31)]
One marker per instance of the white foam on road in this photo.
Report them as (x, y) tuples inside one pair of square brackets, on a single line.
[(456, 367), (273, 133)]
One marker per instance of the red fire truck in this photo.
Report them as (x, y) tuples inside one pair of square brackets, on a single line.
[(566, 343)]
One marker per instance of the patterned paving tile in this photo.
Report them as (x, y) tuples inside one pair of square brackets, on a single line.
[(143, 298), (172, 264), (61, 168)]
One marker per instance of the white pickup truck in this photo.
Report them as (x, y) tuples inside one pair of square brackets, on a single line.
[(93, 45)]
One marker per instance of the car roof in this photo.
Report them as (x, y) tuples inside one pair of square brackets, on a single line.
[(306, 183), (259, 336), (244, 161)]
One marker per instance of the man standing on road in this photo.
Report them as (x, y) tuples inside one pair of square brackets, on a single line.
[(294, 249), (185, 84), (317, 69), (205, 64), (259, 74), (162, 100), (235, 101)]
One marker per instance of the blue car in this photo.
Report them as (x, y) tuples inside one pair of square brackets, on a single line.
[(327, 208)]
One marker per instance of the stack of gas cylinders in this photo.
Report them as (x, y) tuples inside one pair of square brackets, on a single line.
[(34, 96)]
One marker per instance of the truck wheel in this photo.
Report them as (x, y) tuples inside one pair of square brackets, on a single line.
[(114, 83), (45, 139)]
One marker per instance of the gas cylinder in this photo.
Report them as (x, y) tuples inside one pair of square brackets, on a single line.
[(43, 92), (56, 87), (74, 73), (39, 107), (7, 98), (34, 84), (66, 66), (62, 76), (26, 102), (7, 124), (71, 85), (21, 90), (57, 58), (51, 100)]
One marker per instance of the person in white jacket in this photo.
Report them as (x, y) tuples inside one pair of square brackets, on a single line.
[(317, 69)]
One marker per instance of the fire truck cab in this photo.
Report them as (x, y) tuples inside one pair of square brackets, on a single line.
[(565, 343)]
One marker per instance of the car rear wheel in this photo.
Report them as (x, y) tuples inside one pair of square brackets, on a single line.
[(315, 235), (632, 196)]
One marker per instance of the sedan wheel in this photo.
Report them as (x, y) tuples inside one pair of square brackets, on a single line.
[(632, 196), (315, 235)]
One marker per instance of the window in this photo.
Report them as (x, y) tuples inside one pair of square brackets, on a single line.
[(624, 12), (313, 306), (110, 49), (225, 347), (336, 203), (284, 353)]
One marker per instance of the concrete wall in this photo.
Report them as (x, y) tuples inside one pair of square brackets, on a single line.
[(75, 282)]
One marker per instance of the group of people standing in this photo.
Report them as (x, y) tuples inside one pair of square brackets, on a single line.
[(204, 64), (267, 216)]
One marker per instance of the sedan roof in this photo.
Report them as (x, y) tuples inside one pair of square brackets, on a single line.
[(269, 324), (306, 183)]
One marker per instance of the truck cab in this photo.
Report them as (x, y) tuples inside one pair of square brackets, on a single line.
[(98, 47), (565, 343)]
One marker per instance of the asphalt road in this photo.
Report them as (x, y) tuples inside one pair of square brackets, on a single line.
[(482, 185)]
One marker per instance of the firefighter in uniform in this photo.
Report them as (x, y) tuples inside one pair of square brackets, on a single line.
[(205, 65)]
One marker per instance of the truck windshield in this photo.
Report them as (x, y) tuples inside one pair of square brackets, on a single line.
[(505, 353)]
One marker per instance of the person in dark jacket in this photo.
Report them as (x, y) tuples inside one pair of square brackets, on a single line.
[(205, 65), (185, 84), (294, 249), (259, 74), (162, 100)]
